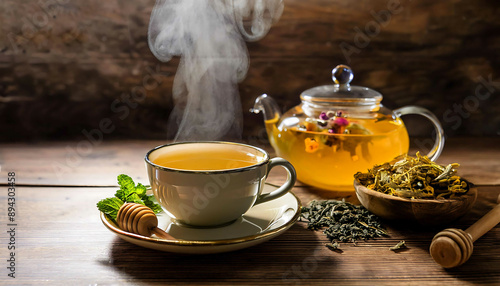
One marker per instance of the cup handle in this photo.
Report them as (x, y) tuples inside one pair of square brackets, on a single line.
[(439, 143), (287, 186)]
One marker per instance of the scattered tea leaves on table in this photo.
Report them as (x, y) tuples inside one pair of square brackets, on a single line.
[(417, 178), (342, 221), (333, 246), (129, 192), (398, 246)]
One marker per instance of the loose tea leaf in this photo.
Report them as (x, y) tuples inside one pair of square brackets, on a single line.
[(417, 178), (399, 245), (342, 221), (333, 246)]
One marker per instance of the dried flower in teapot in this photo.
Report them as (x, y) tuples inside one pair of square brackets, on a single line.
[(329, 122), (332, 123), (311, 145)]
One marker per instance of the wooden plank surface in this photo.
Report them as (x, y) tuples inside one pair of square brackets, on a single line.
[(72, 164), (61, 241)]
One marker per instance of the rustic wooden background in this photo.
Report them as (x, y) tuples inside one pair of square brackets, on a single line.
[(67, 65)]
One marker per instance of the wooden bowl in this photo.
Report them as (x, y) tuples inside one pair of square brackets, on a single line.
[(426, 212)]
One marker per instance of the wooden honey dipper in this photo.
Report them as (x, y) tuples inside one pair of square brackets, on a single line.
[(139, 219), (453, 247)]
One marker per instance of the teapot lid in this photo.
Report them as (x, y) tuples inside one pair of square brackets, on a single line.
[(341, 92)]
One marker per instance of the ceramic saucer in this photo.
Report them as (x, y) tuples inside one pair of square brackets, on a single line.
[(261, 223)]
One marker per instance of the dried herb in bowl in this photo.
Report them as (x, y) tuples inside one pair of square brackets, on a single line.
[(414, 177)]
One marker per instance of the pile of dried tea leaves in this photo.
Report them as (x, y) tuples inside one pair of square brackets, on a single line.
[(342, 221), (417, 178)]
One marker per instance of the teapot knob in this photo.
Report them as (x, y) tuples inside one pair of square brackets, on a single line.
[(342, 75)]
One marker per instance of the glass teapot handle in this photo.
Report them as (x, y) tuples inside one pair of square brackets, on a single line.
[(439, 143)]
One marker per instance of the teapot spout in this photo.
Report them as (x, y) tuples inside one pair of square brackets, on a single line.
[(268, 107)]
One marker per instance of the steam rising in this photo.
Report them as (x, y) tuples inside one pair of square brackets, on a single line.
[(209, 36)]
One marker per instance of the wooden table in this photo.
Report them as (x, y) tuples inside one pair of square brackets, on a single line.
[(60, 240)]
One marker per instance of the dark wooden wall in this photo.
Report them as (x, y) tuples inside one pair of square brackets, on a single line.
[(67, 65)]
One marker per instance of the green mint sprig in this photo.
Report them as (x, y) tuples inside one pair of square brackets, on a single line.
[(129, 192)]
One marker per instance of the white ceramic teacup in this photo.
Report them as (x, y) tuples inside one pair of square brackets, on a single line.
[(212, 183)]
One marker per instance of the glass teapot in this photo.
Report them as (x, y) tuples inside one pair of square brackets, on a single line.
[(339, 130)]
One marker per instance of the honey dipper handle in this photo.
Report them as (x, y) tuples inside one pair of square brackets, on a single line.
[(161, 233), (486, 223)]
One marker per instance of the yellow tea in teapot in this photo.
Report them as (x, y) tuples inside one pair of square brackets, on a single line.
[(329, 157), (338, 130)]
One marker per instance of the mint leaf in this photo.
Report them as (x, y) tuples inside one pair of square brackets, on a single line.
[(134, 198), (110, 206), (127, 186), (125, 181), (128, 193), (148, 201), (140, 189)]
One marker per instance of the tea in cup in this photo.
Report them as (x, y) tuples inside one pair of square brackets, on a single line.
[(212, 183)]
